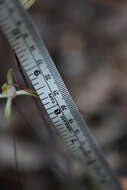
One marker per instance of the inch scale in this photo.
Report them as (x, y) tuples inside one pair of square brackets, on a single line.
[(46, 80)]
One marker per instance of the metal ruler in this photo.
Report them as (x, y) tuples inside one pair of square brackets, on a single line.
[(40, 69)]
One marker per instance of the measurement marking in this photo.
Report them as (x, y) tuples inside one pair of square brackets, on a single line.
[(72, 136), (49, 89), (36, 84), (46, 103), (54, 117), (52, 94), (40, 88), (51, 113), (58, 125), (22, 56), (41, 94), (51, 107), (74, 150), (70, 144), (30, 74), (68, 140), (56, 121), (31, 68), (21, 51), (26, 65), (33, 79), (56, 100), (18, 37), (61, 130), (44, 98), (23, 59), (64, 134), (46, 82), (16, 46)]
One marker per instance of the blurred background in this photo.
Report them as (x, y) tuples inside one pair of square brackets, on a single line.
[(88, 43)]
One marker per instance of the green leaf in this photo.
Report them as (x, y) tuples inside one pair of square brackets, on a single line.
[(8, 110), (23, 92), (9, 76)]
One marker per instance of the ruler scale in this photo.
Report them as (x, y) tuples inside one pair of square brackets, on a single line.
[(46, 80)]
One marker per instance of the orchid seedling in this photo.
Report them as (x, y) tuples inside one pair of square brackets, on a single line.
[(8, 89), (9, 92)]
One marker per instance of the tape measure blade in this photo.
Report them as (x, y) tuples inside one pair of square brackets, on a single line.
[(34, 57)]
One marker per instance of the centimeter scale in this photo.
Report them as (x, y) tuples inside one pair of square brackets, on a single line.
[(46, 80)]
